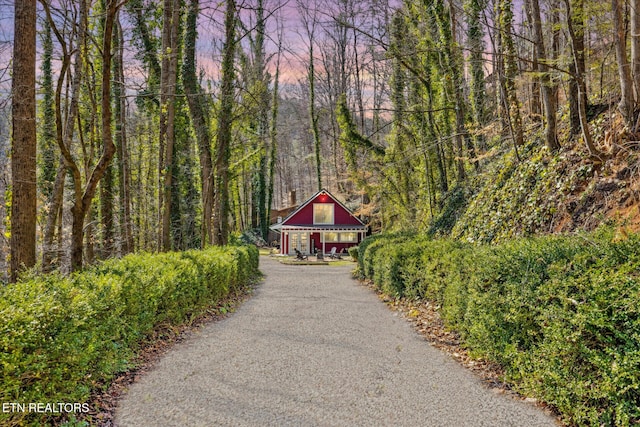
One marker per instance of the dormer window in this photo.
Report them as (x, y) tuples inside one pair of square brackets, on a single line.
[(323, 213)]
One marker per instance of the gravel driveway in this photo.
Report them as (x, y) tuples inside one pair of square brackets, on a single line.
[(314, 348)]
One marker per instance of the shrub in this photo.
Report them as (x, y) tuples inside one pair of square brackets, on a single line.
[(561, 314), (353, 253), (61, 337)]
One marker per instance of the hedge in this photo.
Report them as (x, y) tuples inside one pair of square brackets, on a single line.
[(61, 337), (561, 314)]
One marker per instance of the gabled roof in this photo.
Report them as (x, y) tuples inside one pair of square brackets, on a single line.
[(312, 198)]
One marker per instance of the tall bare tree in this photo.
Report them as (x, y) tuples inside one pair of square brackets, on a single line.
[(65, 125), (627, 103), (635, 47), (82, 205), (546, 83), (23, 147), (577, 49), (309, 18), (122, 148), (577, 66)]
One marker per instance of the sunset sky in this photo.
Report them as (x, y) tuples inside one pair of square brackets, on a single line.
[(210, 23)]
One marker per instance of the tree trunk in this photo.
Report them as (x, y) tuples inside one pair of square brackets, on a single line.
[(310, 21), (579, 77), (635, 47), (225, 121), (122, 149), (82, 205), (54, 185), (23, 147), (456, 68), (64, 132), (314, 115), (577, 67), (106, 214), (511, 72), (261, 84), (198, 112), (168, 79), (47, 140), (627, 104), (475, 43), (273, 133), (54, 217), (546, 83), (136, 10)]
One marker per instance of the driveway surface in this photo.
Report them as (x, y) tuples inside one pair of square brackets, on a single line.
[(314, 348)]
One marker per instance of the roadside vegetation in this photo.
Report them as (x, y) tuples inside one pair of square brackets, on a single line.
[(64, 337), (560, 314)]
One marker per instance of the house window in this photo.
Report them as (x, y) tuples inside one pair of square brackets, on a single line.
[(323, 213), (330, 237), (349, 237), (333, 237)]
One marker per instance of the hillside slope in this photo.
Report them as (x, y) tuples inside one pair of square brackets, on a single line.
[(548, 193)]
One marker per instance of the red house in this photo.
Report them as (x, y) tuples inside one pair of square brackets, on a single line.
[(318, 225)]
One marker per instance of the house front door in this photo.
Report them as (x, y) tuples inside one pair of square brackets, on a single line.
[(300, 241)]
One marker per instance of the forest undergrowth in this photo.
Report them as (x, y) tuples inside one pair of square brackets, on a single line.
[(536, 192)]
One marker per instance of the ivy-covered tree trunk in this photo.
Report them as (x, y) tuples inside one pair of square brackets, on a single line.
[(23, 147), (508, 58), (225, 121), (399, 176), (106, 213), (456, 68), (577, 66), (546, 82), (315, 131), (47, 140), (475, 42), (170, 25), (273, 135), (199, 118), (140, 14), (52, 177), (260, 85)]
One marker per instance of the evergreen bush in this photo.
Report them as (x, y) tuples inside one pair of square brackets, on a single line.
[(561, 314), (61, 337)]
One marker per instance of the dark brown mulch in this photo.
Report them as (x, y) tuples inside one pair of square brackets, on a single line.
[(103, 403)]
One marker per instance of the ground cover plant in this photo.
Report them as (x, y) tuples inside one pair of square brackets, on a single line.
[(560, 314), (61, 337)]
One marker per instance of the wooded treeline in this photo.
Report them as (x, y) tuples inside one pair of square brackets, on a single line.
[(474, 78), (170, 125)]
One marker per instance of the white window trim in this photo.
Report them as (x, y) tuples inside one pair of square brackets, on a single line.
[(333, 212), (339, 237)]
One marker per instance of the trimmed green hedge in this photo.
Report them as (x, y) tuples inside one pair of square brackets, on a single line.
[(60, 336), (560, 314)]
